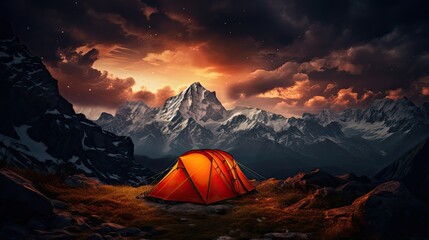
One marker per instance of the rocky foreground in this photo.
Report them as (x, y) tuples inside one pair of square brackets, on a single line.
[(310, 205)]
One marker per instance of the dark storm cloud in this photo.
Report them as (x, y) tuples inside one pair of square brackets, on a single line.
[(85, 86), (82, 84), (357, 46), (46, 26), (364, 45)]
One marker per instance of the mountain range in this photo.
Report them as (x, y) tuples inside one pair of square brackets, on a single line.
[(40, 130), (361, 140)]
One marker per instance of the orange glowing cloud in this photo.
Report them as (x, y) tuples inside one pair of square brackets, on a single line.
[(297, 91), (425, 91), (329, 87), (345, 97), (317, 102), (395, 94)]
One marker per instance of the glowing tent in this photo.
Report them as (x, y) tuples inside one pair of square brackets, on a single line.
[(204, 177)]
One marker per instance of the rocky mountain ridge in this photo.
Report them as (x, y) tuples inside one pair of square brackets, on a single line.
[(41, 131), (354, 138)]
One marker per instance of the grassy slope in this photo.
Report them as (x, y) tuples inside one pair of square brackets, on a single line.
[(119, 204)]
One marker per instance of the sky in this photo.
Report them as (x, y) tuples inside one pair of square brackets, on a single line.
[(287, 57)]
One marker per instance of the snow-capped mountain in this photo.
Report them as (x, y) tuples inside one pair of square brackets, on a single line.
[(386, 123), (354, 138), (194, 102), (40, 130)]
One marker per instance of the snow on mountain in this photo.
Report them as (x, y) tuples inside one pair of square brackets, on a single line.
[(41, 131), (196, 119), (379, 121), (194, 102)]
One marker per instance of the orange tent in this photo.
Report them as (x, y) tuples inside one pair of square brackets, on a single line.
[(204, 177)]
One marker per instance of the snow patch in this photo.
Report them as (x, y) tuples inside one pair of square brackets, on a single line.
[(53, 112), (36, 149), (84, 147), (17, 59), (80, 165)]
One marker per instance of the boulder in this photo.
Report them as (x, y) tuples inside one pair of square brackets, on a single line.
[(120, 230), (352, 190), (286, 235), (316, 178), (13, 232), (352, 177), (412, 169), (390, 211), (322, 198), (82, 181), (19, 198), (328, 197)]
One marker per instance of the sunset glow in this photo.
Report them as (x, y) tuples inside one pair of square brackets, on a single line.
[(279, 56)]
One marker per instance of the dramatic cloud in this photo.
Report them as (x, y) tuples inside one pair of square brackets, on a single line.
[(86, 86), (329, 87), (261, 81), (154, 99), (299, 90), (395, 94), (317, 102), (291, 56)]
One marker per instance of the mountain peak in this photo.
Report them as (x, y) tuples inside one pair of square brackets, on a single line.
[(136, 104), (194, 87), (196, 102), (391, 102)]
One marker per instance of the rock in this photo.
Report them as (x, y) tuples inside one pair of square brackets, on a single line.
[(80, 180), (328, 197), (41, 131), (317, 178), (234, 232), (110, 227), (189, 208), (13, 232), (352, 177), (59, 205), (116, 229), (63, 219), (412, 169), (94, 219), (270, 184), (287, 235), (80, 223), (322, 198), (224, 238), (352, 190), (36, 224), (389, 211), (131, 231), (95, 236), (108, 237), (57, 234), (19, 198)]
